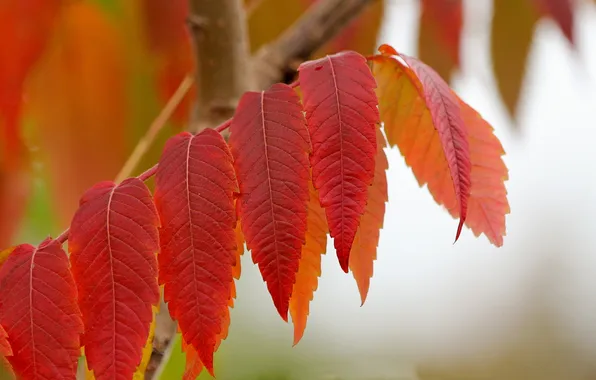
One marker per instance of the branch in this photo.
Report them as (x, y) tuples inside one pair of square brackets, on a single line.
[(220, 39), (314, 28)]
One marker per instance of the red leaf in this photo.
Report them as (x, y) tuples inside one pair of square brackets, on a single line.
[(39, 312), (488, 203), (364, 250), (194, 194), (310, 263), (341, 111), (433, 95), (112, 242), (439, 35), (270, 144), (561, 11)]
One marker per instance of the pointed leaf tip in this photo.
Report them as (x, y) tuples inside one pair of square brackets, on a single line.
[(310, 264), (364, 250)]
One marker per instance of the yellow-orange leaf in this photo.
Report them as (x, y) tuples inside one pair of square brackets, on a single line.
[(408, 125), (364, 249), (193, 366), (78, 101), (4, 254), (309, 268), (423, 118), (511, 37), (488, 203)]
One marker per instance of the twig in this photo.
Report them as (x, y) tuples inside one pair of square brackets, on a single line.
[(159, 122), (314, 28), (146, 141)]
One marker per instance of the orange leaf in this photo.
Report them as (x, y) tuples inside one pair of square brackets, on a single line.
[(364, 249), (193, 366), (423, 118), (488, 203), (4, 255), (408, 125), (78, 101), (309, 269), (511, 37), (5, 349), (439, 35)]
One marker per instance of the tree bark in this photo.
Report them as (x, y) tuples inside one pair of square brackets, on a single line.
[(314, 28), (219, 32)]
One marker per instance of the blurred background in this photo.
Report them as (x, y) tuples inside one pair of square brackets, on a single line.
[(81, 81)]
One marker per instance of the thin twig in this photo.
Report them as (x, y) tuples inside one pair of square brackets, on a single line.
[(321, 22), (146, 141), (157, 125)]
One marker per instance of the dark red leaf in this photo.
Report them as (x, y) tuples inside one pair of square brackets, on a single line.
[(341, 112), (195, 188), (270, 144), (561, 11), (39, 311), (112, 242), (439, 36)]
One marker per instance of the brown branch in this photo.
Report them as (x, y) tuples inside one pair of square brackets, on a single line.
[(220, 37), (314, 28)]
